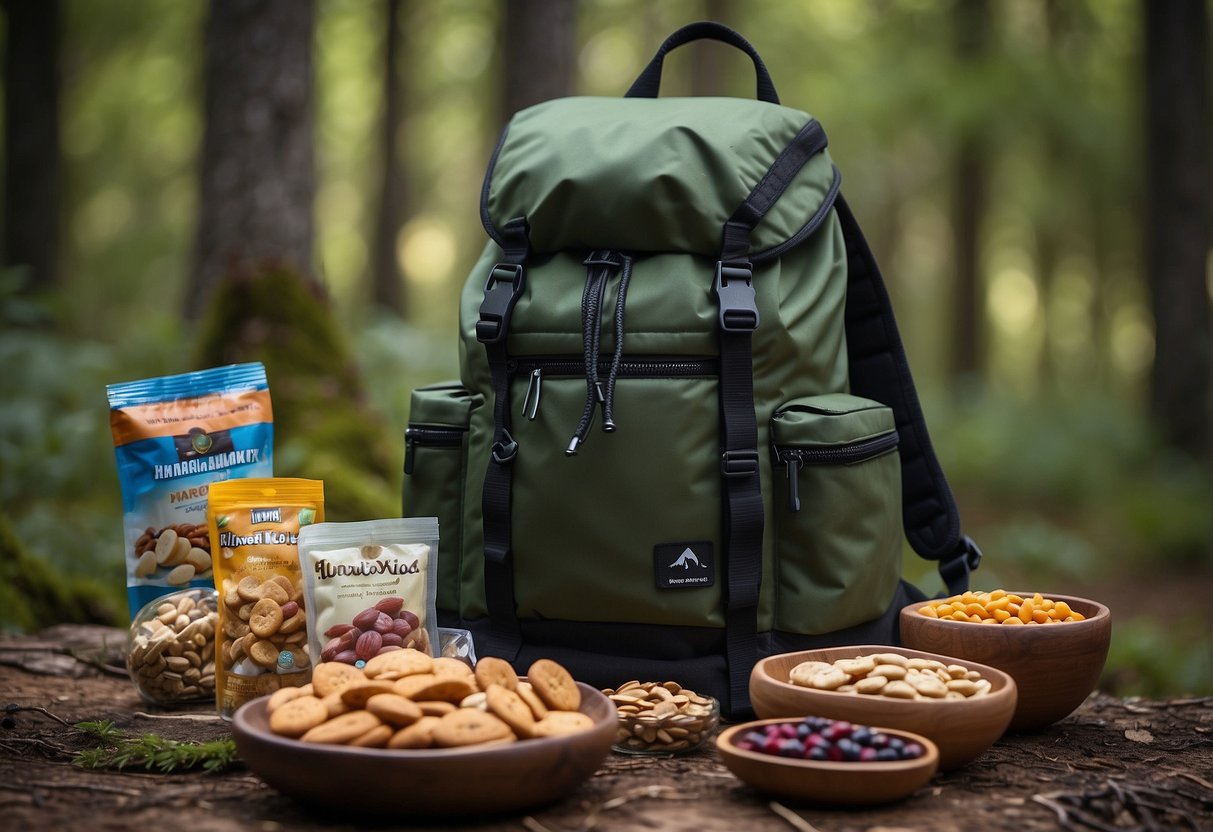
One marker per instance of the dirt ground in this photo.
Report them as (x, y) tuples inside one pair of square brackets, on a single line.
[(1113, 765)]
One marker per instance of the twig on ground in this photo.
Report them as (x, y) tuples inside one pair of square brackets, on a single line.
[(794, 820)]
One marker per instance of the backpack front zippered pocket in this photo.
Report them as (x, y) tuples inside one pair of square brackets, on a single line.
[(837, 512), (613, 509), (435, 469)]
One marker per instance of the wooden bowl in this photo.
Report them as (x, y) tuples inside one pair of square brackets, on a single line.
[(962, 729), (440, 782), (833, 783), (1055, 666)]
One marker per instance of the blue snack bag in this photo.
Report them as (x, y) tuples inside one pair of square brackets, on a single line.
[(173, 437)]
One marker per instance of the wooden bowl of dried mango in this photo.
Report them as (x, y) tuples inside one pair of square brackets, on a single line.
[(1053, 645)]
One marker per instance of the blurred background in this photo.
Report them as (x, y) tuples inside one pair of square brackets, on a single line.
[(188, 184)]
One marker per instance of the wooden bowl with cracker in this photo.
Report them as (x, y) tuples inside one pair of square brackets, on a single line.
[(961, 728), (444, 783)]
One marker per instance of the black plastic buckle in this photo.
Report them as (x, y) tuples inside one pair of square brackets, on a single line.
[(734, 464), (501, 291), (734, 289), (961, 564), (505, 449)]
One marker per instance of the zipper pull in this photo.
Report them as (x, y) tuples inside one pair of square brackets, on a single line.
[(793, 465), (533, 385)]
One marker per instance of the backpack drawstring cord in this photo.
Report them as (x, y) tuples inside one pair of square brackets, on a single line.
[(608, 405), (599, 265)]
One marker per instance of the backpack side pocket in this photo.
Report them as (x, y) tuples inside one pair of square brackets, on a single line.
[(837, 512), (435, 470)]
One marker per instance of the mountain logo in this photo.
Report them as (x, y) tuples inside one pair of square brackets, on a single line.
[(687, 558), (684, 565)]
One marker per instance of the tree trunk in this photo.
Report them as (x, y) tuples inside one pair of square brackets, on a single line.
[(31, 141), (972, 21), (257, 177), (387, 280), (1178, 229), (539, 52)]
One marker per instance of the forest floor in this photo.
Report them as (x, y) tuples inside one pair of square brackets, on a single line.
[(1115, 764)]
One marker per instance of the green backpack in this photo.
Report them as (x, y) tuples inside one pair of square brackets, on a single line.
[(686, 434)]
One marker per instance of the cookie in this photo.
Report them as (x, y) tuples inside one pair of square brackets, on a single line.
[(492, 670), (446, 666), (443, 688), (527, 691), (408, 686), (435, 707), (356, 693), (554, 685), (468, 726), (398, 664), (560, 723), (296, 717), (249, 588), (342, 729), (509, 707), (273, 591), (266, 617), (377, 737), (331, 677), (394, 709), (418, 735), (283, 695)]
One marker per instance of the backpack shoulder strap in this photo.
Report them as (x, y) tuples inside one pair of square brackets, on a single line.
[(879, 370)]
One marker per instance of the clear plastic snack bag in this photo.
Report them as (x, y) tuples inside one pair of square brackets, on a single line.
[(370, 587)]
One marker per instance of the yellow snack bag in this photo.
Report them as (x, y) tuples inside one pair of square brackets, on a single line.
[(261, 640)]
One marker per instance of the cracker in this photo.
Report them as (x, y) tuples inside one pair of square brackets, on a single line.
[(418, 735), (511, 709), (296, 717), (492, 670), (398, 664), (554, 685), (332, 677), (342, 729), (394, 709), (561, 723), (468, 726)]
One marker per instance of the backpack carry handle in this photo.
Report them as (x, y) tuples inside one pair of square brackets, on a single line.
[(649, 81)]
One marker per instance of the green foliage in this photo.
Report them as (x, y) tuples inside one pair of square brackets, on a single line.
[(1159, 658), (113, 748)]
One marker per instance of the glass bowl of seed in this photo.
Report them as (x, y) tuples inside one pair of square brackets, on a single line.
[(662, 718)]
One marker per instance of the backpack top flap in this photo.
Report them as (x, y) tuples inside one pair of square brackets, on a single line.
[(657, 175)]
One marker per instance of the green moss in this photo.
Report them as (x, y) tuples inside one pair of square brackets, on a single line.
[(32, 595), (324, 425)]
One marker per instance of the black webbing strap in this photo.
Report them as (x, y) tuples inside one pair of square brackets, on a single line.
[(739, 468), (806, 144), (879, 370), (648, 84), (502, 289)]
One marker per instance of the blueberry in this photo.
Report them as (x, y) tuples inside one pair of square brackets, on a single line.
[(911, 750), (818, 753), (862, 735), (791, 748), (887, 755)]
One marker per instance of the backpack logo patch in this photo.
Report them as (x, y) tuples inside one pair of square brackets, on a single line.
[(684, 565)]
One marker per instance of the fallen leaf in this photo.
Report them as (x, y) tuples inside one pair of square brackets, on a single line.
[(1139, 735)]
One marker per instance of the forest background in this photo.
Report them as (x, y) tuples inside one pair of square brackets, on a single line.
[(296, 181)]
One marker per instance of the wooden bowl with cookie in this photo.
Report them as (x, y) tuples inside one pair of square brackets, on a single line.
[(470, 742), (962, 716)]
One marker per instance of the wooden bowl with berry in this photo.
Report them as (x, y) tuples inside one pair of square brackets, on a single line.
[(825, 761), (961, 706)]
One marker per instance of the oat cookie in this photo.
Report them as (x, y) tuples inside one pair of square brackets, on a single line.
[(332, 677), (342, 729), (560, 723), (514, 712)]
